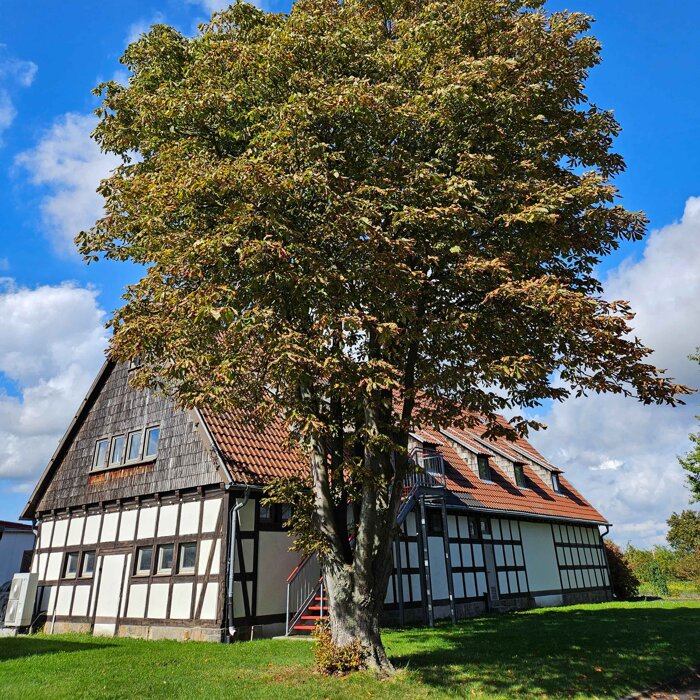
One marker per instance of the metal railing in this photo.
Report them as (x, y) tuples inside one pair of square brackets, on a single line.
[(302, 586), (428, 469)]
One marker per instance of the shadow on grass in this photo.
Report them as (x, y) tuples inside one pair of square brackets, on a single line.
[(558, 653), (18, 647)]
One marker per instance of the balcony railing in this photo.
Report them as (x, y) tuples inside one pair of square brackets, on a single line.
[(428, 469)]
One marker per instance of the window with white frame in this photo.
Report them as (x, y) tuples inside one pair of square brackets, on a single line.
[(133, 446), (70, 566), (164, 563), (116, 453), (151, 441), (87, 568), (100, 457), (144, 561), (187, 558), (519, 470)]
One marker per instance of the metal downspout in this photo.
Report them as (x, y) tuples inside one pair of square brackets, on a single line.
[(232, 561)]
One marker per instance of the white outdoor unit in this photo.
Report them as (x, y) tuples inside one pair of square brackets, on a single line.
[(21, 602)]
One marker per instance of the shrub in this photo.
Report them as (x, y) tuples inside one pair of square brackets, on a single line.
[(332, 660), (625, 584), (657, 580)]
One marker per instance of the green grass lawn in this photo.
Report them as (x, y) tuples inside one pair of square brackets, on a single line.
[(585, 651)]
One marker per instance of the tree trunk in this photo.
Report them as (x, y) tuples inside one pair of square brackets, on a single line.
[(355, 615)]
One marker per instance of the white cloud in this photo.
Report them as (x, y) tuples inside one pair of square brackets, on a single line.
[(136, 29), (13, 73), (213, 5), (51, 346), (69, 165), (620, 453)]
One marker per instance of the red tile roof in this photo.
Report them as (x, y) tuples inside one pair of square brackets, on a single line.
[(256, 457), (501, 493), (252, 456)]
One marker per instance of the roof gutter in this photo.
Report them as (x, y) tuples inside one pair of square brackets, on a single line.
[(533, 516)]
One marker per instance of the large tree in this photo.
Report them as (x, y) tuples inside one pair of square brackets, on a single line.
[(360, 203)]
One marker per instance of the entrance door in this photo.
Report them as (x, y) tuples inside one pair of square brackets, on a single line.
[(109, 595)]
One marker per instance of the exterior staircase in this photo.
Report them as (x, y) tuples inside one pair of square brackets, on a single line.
[(307, 602), (315, 611)]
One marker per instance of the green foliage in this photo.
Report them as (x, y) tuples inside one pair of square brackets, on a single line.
[(684, 532), (334, 660), (624, 582), (657, 580), (660, 570), (691, 460), (355, 204)]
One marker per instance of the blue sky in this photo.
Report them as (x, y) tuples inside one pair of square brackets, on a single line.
[(52, 54)]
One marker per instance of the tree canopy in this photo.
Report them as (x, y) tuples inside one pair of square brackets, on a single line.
[(357, 204), (684, 532)]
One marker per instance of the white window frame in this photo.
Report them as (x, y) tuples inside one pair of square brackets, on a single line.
[(519, 467), (181, 569), (95, 465), (146, 433), (112, 444), (71, 556), (160, 569), (83, 561), (129, 437), (139, 571)]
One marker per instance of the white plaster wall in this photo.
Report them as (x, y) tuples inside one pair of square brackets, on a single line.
[(275, 563), (167, 521), (75, 530), (80, 601), (209, 606), (217, 556), (45, 531), (63, 601), (189, 518), (540, 557), (211, 514), (137, 600), (247, 549), (246, 515), (204, 549), (92, 528), (438, 572), (158, 601), (59, 533), (109, 527), (181, 601), (53, 570), (127, 526), (147, 522)]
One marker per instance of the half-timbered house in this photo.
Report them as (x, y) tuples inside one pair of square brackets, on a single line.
[(150, 524)]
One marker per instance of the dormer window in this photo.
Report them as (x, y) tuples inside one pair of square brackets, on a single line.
[(519, 470), (556, 484), (484, 467)]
